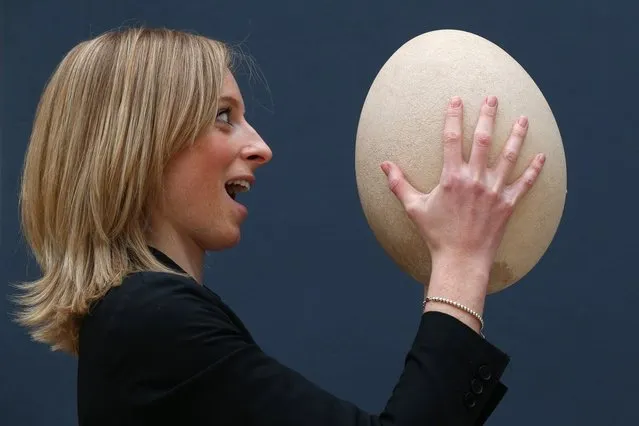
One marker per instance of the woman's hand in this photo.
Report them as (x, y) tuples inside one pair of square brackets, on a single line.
[(467, 212), (464, 217)]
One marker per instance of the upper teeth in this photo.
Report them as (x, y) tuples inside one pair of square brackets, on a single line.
[(238, 185)]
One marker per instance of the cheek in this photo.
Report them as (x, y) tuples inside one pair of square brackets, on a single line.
[(195, 180), (193, 188), (198, 191)]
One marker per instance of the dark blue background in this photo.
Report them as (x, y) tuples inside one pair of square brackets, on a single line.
[(308, 278)]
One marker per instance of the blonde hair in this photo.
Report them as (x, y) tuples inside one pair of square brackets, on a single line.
[(112, 114)]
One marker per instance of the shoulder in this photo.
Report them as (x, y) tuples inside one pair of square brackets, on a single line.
[(151, 296), (151, 312), (149, 337)]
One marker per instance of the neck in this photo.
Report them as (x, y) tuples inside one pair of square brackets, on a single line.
[(182, 250)]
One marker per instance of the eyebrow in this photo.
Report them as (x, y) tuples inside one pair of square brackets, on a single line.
[(232, 100)]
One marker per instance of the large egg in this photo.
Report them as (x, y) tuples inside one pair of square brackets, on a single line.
[(402, 120)]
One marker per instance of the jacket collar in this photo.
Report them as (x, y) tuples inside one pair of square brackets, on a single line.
[(166, 260)]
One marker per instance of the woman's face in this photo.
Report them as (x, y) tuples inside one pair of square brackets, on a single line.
[(201, 182)]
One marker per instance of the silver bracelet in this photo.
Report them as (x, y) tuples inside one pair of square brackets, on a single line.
[(458, 306)]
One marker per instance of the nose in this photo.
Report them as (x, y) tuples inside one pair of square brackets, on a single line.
[(257, 151)]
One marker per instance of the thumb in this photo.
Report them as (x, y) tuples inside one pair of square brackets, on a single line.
[(398, 184)]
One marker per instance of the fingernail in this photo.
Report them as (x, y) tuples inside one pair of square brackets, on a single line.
[(491, 101), (455, 102), (523, 121), (541, 158), (384, 167)]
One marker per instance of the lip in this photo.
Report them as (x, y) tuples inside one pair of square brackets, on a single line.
[(241, 207), (243, 210), (251, 180)]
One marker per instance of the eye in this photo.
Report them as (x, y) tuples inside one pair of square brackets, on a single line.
[(224, 115)]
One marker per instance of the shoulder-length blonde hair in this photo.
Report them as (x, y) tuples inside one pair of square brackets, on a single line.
[(112, 114)]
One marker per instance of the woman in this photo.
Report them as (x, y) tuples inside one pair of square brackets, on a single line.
[(138, 148)]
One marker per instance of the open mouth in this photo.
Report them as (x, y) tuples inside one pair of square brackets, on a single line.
[(234, 187)]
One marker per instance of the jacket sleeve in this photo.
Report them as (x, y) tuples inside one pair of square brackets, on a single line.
[(201, 368)]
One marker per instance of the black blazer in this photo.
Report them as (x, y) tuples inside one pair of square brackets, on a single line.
[(164, 350)]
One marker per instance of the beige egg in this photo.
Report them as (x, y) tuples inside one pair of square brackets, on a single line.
[(402, 120)]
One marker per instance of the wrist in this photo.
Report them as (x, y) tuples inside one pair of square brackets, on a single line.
[(478, 263), (472, 319), (460, 278)]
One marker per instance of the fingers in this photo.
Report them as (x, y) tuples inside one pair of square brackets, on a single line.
[(398, 184), (482, 137), (510, 152), (452, 137), (521, 186)]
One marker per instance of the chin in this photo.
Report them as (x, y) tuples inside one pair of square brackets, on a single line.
[(222, 241), (232, 242)]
